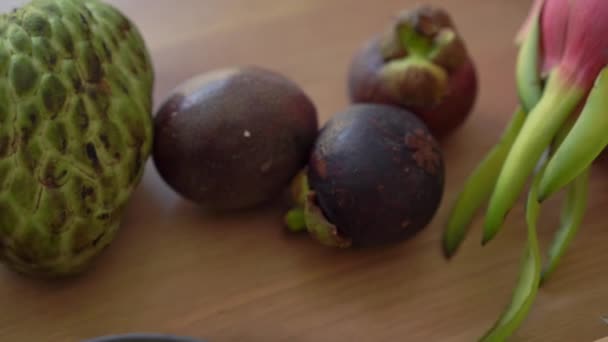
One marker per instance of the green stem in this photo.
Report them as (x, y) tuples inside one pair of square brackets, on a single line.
[(587, 139), (529, 278), (416, 44), (320, 228), (478, 187), (295, 220), (558, 102), (573, 214)]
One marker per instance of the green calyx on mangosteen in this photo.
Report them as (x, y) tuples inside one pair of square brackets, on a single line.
[(375, 176), (234, 138), (420, 64)]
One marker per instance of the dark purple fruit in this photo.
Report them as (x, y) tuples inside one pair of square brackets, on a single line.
[(420, 64), (233, 139), (377, 176)]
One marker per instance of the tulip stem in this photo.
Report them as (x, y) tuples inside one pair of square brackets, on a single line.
[(584, 142), (479, 186), (572, 217), (558, 102), (529, 277)]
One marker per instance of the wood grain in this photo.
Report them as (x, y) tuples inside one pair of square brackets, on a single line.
[(173, 269)]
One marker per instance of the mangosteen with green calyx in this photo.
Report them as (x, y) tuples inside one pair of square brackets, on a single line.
[(233, 139), (375, 177), (421, 64)]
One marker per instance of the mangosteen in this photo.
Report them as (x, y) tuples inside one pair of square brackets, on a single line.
[(375, 176), (421, 64), (234, 138)]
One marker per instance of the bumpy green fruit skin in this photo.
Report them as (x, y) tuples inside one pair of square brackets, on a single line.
[(75, 131)]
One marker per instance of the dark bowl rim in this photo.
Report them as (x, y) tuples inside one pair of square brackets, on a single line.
[(142, 337)]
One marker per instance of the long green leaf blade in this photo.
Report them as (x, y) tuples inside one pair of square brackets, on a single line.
[(583, 144), (529, 278), (573, 214), (542, 124), (478, 187), (528, 78)]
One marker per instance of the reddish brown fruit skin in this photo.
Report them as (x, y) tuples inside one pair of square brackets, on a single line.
[(235, 138), (377, 173), (366, 86)]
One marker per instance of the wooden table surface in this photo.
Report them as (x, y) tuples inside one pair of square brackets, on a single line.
[(173, 269)]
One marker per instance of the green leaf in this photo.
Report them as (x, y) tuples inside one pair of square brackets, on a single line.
[(572, 217), (528, 78), (542, 124), (478, 187), (583, 144), (529, 277)]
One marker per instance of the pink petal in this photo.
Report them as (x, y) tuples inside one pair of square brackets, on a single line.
[(554, 26), (586, 50)]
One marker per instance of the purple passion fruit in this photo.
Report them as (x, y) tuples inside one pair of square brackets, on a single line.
[(420, 64), (376, 176), (234, 138)]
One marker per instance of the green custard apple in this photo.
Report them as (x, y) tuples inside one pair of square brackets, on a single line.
[(76, 85)]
